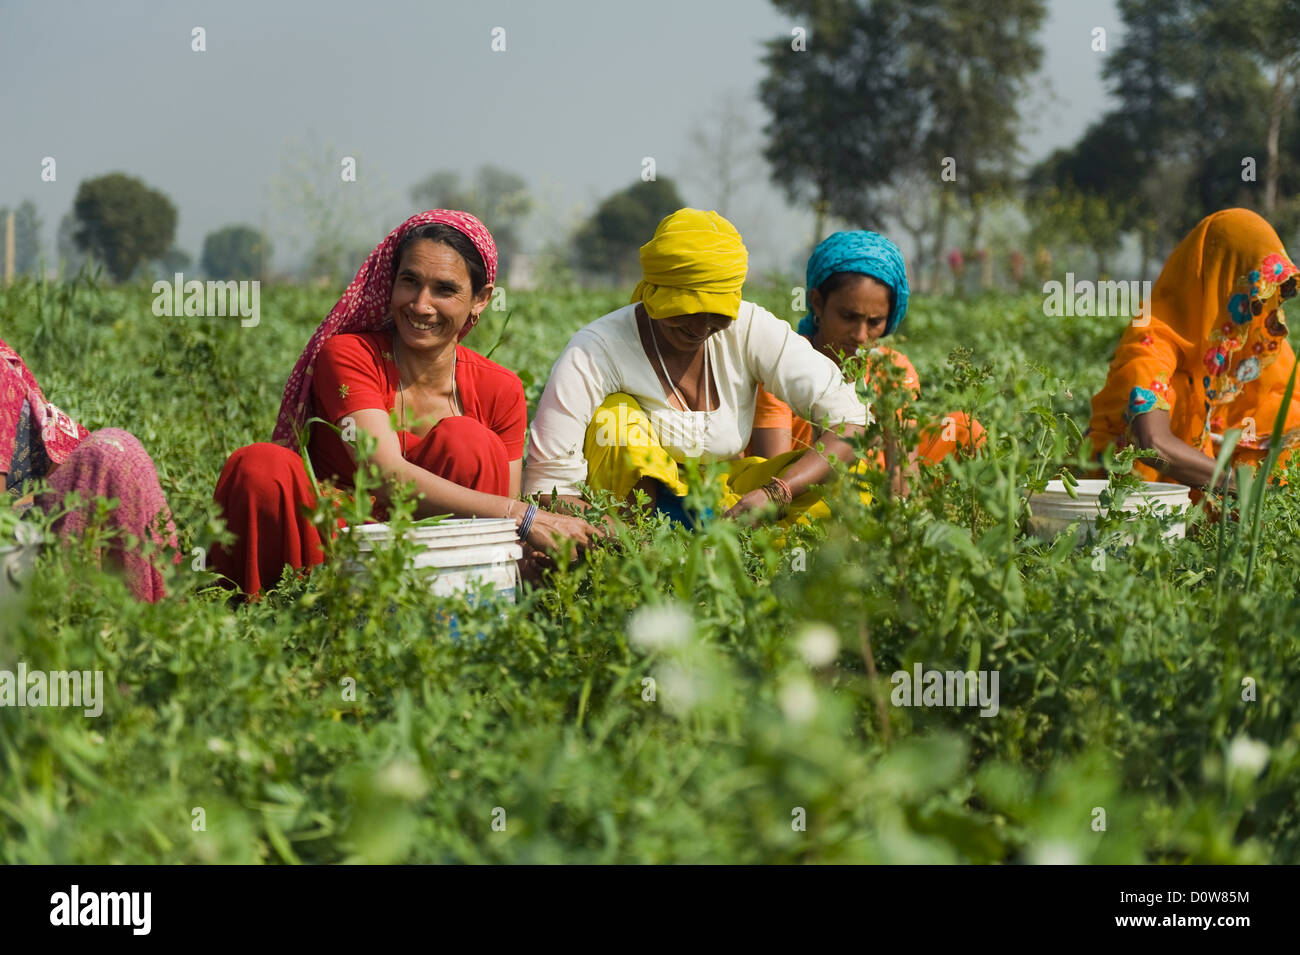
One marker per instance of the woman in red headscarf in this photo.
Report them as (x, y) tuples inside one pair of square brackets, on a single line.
[(392, 345)]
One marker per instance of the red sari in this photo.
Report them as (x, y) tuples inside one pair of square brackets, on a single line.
[(264, 490)]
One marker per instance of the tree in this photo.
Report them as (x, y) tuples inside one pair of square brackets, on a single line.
[(609, 241), (496, 196), (913, 203), (724, 155), (1258, 40), (27, 238), (971, 65), (841, 109), (70, 258), (174, 260), (328, 211), (887, 89), (1203, 85), (122, 222), (235, 252), (1065, 218), (1130, 153)]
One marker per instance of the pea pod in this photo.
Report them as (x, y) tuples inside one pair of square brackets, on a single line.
[(1070, 483)]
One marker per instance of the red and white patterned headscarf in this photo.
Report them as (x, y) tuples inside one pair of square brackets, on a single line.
[(364, 307), (59, 434)]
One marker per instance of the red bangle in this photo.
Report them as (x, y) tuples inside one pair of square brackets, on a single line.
[(779, 491)]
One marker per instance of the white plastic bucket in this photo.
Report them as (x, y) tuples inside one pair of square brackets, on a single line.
[(460, 555), (1053, 510), (16, 562), (18, 555)]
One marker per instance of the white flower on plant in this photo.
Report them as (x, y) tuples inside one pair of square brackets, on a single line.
[(798, 700), (656, 626), (819, 644), (1054, 852), (679, 688), (1248, 756), (402, 779)]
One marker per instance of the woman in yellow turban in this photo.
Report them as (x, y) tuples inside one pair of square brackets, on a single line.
[(1207, 354), (670, 380)]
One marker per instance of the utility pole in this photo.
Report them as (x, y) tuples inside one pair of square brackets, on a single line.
[(9, 249)]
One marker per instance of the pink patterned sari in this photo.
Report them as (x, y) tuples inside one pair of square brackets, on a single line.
[(37, 440)]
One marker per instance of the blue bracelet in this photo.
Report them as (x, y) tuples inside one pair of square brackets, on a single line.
[(527, 523)]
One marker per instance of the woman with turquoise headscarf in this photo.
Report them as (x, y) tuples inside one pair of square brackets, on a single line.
[(857, 294), (848, 257)]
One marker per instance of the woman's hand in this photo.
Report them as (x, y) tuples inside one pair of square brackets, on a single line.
[(750, 504), (1185, 464), (550, 530)]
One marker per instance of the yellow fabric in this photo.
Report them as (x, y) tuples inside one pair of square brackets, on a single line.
[(1211, 348), (621, 448), (695, 263)]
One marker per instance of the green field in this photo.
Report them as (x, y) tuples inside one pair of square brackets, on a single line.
[(1121, 670)]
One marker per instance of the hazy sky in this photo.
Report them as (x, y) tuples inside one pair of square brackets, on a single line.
[(583, 91)]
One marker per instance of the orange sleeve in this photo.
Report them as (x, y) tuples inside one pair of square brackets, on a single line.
[(1138, 380), (770, 411), (801, 433), (911, 380)]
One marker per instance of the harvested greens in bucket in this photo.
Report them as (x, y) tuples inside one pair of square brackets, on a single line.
[(1054, 509)]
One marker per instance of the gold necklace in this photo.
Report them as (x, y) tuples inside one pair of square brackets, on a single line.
[(672, 384), (401, 395), (456, 406)]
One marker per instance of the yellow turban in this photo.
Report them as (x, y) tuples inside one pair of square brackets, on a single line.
[(695, 263)]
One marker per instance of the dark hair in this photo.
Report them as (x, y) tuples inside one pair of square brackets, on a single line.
[(448, 235), (837, 280)]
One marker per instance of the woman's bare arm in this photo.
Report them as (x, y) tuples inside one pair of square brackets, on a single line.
[(814, 467), (769, 442), (441, 496), (1177, 460)]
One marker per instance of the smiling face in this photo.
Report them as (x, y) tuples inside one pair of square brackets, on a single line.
[(433, 297), (852, 316), (686, 333)]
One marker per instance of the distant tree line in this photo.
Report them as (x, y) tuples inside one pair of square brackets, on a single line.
[(898, 115), (908, 113), (129, 228)]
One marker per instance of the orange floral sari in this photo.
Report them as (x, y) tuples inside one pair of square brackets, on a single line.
[(1209, 346)]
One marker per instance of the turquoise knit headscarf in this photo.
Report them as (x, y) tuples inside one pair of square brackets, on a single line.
[(868, 253)]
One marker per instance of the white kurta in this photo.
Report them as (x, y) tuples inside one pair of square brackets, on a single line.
[(607, 357)]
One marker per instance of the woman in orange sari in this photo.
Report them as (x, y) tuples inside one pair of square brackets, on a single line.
[(857, 294), (1207, 354)]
